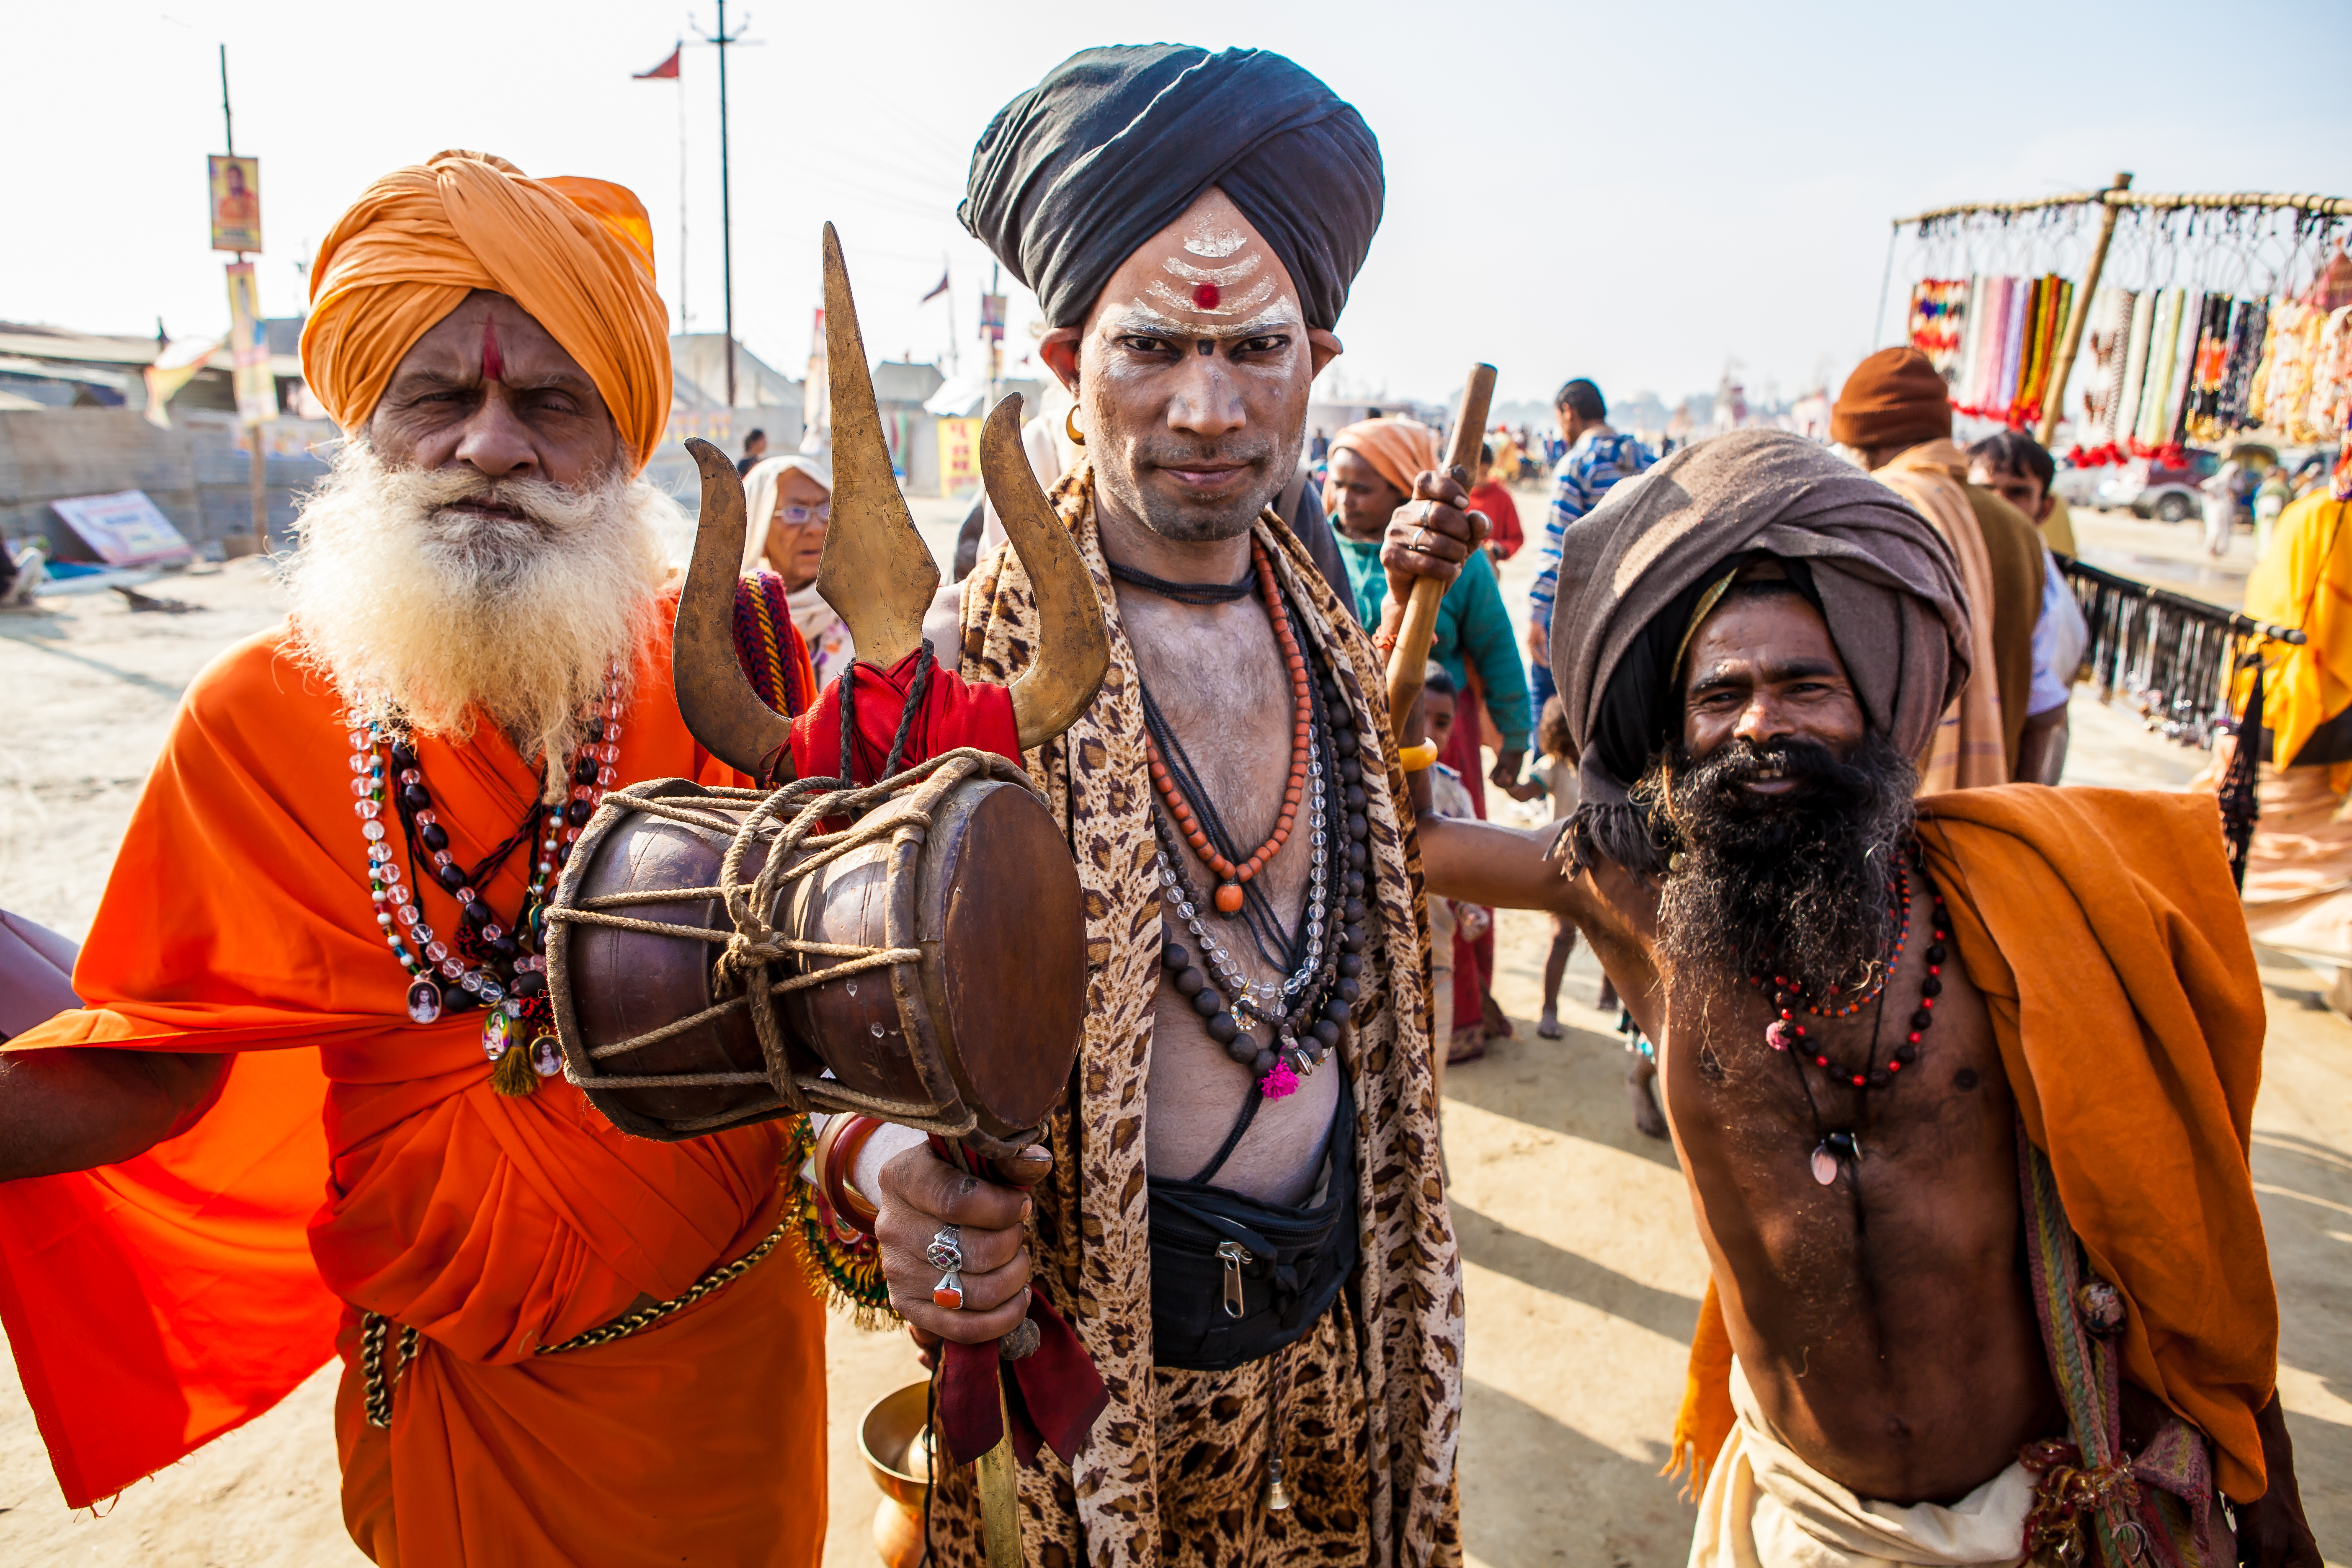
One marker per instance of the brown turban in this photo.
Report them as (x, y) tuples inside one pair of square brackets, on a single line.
[(1893, 398), (577, 253), (1632, 570)]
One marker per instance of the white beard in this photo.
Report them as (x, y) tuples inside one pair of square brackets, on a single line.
[(428, 617)]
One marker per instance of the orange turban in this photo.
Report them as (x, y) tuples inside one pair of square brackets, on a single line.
[(577, 253), (1399, 448)]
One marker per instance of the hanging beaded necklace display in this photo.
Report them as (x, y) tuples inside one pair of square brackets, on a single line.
[(1786, 1034), (1321, 958), (483, 963)]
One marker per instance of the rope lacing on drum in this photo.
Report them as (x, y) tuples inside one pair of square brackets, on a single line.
[(788, 822)]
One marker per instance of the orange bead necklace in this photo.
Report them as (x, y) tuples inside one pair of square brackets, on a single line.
[(1230, 876)]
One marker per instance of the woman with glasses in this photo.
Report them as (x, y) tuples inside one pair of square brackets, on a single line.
[(788, 502)]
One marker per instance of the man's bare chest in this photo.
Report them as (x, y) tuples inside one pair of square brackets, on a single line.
[(1892, 1103)]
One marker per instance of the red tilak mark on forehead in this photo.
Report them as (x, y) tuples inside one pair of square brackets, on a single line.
[(1206, 296), (494, 365)]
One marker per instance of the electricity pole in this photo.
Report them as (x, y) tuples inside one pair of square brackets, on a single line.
[(726, 228)]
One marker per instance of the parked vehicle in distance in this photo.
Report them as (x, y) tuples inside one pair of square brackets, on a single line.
[(2078, 486), (2150, 489)]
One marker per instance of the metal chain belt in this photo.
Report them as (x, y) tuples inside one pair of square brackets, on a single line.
[(375, 1328)]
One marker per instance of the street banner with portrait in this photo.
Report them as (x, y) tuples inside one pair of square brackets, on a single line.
[(236, 186)]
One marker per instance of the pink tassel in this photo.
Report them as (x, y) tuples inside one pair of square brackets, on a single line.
[(1278, 1081)]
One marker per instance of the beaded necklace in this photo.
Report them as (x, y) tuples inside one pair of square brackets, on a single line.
[(1231, 875), (1307, 1009), (1786, 1034), (484, 963)]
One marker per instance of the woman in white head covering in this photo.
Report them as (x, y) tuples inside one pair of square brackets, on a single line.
[(788, 502)]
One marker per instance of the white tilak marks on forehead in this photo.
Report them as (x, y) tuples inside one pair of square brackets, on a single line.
[(1141, 317), (1223, 277), (1207, 239), (1249, 298)]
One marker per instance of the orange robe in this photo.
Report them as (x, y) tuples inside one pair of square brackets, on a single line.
[(2102, 927), (356, 1160)]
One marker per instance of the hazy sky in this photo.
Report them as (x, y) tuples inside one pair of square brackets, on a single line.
[(1636, 194)]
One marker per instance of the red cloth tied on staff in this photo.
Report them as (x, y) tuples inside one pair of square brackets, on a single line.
[(954, 712), (1055, 1398)]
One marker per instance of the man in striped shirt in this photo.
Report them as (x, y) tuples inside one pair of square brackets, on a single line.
[(1597, 458)]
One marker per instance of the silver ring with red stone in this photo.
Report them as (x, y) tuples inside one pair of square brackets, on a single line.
[(948, 1294), (946, 1250)]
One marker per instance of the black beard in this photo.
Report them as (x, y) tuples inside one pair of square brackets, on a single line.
[(1800, 885)]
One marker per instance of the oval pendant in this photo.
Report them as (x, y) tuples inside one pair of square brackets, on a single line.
[(546, 1057), (498, 1034), (1825, 1164), (424, 1003)]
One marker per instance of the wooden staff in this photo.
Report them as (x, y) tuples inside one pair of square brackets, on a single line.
[(1411, 654)]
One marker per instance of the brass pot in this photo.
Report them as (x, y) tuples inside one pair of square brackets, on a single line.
[(894, 1443)]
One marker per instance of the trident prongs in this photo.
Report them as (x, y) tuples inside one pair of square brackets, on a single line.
[(1071, 651), (876, 572), (716, 700)]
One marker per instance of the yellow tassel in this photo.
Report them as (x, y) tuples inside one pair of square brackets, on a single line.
[(513, 1074)]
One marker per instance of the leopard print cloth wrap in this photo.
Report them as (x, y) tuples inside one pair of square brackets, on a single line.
[(1175, 1466)]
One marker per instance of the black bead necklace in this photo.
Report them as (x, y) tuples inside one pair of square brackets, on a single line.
[(1308, 1010)]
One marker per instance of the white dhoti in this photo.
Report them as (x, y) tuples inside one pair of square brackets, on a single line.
[(1766, 1508)]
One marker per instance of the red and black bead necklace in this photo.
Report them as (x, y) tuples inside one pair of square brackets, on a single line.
[(1785, 1034)]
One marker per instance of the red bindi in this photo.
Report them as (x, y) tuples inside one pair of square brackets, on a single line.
[(494, 366), (1206, 296)]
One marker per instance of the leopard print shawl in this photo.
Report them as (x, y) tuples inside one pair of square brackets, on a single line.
[(1090, 1227)]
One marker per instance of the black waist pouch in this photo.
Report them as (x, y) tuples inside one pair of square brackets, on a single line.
[(1234, 1279)]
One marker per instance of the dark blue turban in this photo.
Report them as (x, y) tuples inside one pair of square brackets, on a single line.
[(1115, 143)]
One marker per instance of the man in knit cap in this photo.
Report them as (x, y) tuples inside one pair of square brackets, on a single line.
[(1896, 416)]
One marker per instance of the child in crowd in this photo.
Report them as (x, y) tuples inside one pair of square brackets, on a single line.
[(1556, 774), (1559, 774), (1452, 926)]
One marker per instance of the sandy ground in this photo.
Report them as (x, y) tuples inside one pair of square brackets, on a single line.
[(1583, 1270)]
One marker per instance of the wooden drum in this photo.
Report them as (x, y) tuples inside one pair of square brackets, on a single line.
[(924, 962)]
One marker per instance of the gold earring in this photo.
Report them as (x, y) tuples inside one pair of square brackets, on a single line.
[(1070, 426)]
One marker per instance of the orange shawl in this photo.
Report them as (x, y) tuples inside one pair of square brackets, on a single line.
[(2102, 930), (155, 1304)]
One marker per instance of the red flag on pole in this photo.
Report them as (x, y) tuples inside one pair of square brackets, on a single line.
[(666, 71), (936, 292)]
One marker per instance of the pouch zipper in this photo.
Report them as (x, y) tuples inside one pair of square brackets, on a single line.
[(1233, 1255)]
